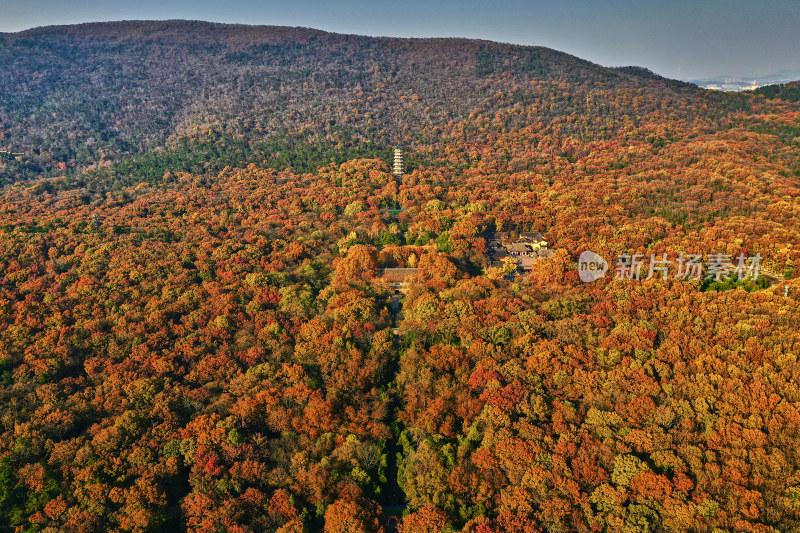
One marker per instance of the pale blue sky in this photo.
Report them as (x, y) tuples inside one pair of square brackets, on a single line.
[(677, 38)]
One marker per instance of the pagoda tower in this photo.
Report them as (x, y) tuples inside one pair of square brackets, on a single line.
[(398, 162)]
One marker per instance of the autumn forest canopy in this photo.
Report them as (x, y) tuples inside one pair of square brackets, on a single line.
[(197, 332)]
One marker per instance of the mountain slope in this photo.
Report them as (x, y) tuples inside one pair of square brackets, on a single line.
[(80, 95), (785, 91)]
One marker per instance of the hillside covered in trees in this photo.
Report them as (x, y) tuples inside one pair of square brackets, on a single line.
[(146, 96), (195, 334)]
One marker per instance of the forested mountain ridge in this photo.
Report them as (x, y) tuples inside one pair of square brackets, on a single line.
[(74, 96), (195, 334)]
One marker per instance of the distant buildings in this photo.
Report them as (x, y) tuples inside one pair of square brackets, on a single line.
[(397, 279), (525, 249)]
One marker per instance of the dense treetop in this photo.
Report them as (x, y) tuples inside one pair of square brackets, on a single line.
[(195, 334)]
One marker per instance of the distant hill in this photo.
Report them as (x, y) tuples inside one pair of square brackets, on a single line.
[(784, 91), (88, 94)]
